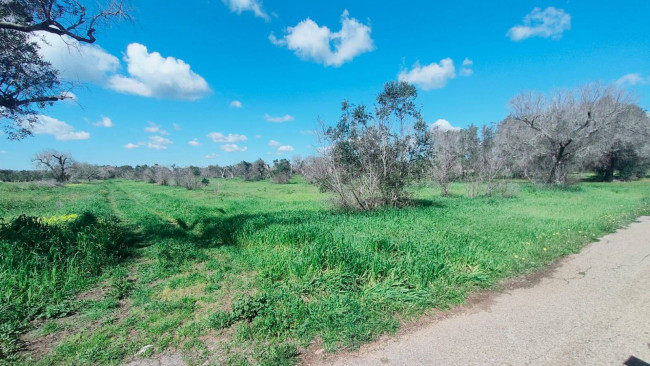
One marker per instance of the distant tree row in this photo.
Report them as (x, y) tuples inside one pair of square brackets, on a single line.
[(61, 167), (369, 157)]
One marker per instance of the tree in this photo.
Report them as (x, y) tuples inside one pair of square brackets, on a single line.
[(368, 159), (281, 171), (58, 163), (27, 81), (626, 147), (446, 156), (85, 171), (554, 133)]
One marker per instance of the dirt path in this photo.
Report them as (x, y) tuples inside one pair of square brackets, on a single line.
[(592, 309)]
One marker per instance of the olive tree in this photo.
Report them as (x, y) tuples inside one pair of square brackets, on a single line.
[(552, 134), (368, 158), (625, 148)]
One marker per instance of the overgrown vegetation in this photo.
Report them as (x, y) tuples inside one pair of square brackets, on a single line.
[(46, 260), (259, 272)]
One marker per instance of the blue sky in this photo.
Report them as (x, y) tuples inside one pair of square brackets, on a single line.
[(217, 82)]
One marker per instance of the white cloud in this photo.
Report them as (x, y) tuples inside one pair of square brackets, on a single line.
[(154, 128), (232, 147), (285, 148), (158, 142), (443, 125), (547, 23), (466, 70), (104, 122), (60, 130), (308, 132), (220, 137), (280, 148), (258, 136), (151, 75), (432, 76), (212, 156), (309, 41), (131, 146), (239, 6), (285, 118), (194, 142), (235, 104), (632, 79), (76, 61), (177, 127)]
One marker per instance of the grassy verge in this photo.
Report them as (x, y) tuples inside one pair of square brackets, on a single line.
[(253, 273)]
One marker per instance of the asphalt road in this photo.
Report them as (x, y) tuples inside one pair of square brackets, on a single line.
[(592, 309)]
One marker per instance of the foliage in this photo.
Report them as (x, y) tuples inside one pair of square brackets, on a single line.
[(44, 261), (281, 171), (268, 268), (368, 160), (552, 136)]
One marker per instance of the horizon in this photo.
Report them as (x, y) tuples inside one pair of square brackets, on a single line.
[(240, 80)]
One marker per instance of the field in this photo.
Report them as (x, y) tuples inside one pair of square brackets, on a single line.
[(242, 273)]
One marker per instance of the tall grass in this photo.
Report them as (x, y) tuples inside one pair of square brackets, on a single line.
[(270, 269), (44, 261)]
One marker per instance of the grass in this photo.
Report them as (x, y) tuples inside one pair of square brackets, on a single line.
[(253, 273)]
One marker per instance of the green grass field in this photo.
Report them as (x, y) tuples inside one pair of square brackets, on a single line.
[(254, 272)]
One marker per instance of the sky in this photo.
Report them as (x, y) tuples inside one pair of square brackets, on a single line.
[(217, 82)]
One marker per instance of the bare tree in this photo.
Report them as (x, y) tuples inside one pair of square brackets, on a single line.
[(85, 171), (554, 132), (58, 163), (26, 80), (446, 157)]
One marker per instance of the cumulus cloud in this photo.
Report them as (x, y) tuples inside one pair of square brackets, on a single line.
[(285, 118), (258, 136), (274, 143), (154, 128), (432, 76), (212, 156), (62, 131), (104, 122), (158, 142), (194, 142), (151, 75), (220, 137), (466, 70), (232, 148), (235, 104), (632, 79), (76, 61), (547, 23), (239, 6), (443, 125), (309, 41), (131, 146)]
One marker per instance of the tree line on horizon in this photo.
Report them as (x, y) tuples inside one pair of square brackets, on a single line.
[(370, 157)]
